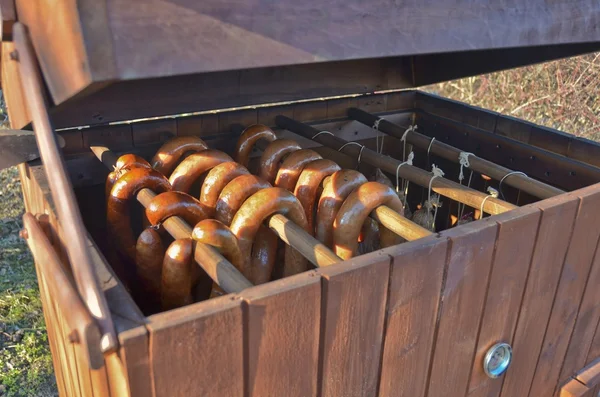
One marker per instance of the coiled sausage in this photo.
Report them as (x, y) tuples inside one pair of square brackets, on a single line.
[(149, 254), (260, 206), (124, 163), (179, 204), (336, 189), (216, 180), (248, 139), (273, 154), (354, 211), (118, 205), (192, 167), (292, 166), (166, 158), (308, 185), (264, 251), (176, 280)]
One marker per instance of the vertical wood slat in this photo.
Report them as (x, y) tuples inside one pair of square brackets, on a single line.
[(469, 262), (514, 248), (198, 349), (569, 293), (134, 355), (594, 351), (353, 305), (558, 215), (416, 275), (282, 336)]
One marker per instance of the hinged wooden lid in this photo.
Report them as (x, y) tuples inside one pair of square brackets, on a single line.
[(108, 60)]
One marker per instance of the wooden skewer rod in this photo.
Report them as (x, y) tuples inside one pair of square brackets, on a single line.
[(389, 218), (493, 170), (440, 185), (217, 267)]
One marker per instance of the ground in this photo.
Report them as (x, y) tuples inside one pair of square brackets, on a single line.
[(562, 94)]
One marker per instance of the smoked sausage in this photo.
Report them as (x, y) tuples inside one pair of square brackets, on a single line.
[(192, 167), (169, 154), (353, 213), (256, 209), (248, 139), (124, 163), (292, 166), (216, 180), (118, 205), (149, 254), (309, 182), (336, 189), (176, 279), (179, 204), (272, 156)]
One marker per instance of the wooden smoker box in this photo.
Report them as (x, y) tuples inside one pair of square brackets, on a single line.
[(410, 320)]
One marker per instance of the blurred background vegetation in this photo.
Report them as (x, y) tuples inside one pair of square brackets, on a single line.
[(562, 94)]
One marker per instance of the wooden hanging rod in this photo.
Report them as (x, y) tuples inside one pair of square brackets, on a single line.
[(440, 185)]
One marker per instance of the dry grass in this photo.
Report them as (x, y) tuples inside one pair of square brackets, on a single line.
[(561, 94)]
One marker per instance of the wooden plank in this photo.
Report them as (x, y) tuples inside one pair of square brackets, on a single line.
[(18, 112), (267, 114), (412, 310), (283, 336), (135, 356), (550, 139), (155, 131), (115, 137), (469, 262), (403, 100), (310, 111), (517, 230), (594, 351), (585, 150), (354, 298), (9, 16), (590, 375), (337, 108), (244, 117), (574, 388), (553, 238), (574, 277), (198, 349)]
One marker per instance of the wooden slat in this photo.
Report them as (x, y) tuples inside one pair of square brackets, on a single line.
[(414, 296), (18, 112), (514, 248), (469, 262), (575, 273), (590, 375), (574, 388), (594, 351), (353, 305), (135, 356), (282, 337), (198, 349), (555, 230)]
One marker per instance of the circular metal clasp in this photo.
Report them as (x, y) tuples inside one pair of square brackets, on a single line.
[(497, 360)]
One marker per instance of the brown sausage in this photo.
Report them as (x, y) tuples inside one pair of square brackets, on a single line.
[(355, 210), (369, 239), (191, 168), (118, 208), (176, 280), (216, 180), (179, 204), (124, 163), (235, 193), (258, 208), (292, 166), (149, 254), (166, 158), (264, 251), (336, 189), (273, 154), (308, 185), (248, 139)]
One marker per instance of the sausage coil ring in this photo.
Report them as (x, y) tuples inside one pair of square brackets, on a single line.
[(176, 280), (149, 254), (248, 139), (179, 204), (354, 212), (219, 236), (193, 166), (258, 208), (215, 182), (273, 154), (308, 185), (336, 189), (292, 167), (166, 158), (124, 164), (118, 205), (264, 251)]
